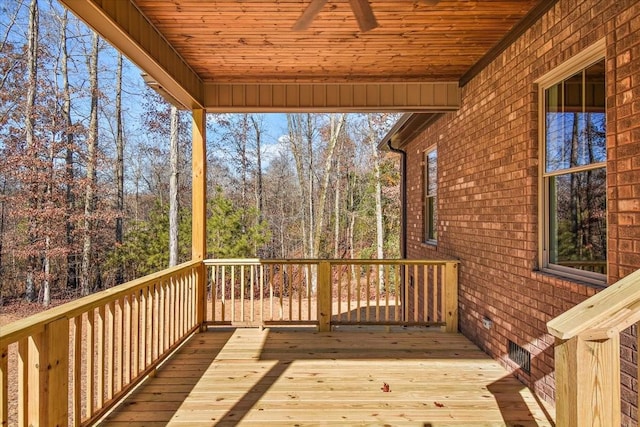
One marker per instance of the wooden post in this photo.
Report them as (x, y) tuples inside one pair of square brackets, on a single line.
[(47, 376), (324, 296), (587, 382), (451, 296), (199, 206)]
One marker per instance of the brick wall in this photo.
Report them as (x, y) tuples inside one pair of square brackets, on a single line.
[(488, 190)]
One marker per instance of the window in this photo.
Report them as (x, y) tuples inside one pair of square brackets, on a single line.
[(574, 176), (430, 196)]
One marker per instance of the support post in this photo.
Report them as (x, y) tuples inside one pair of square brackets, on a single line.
[(324, 296), (199, 206), (47, 376), (451, 296), (587, 382)]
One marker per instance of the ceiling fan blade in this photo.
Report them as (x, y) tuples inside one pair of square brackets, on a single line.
[(364, 15), (308, 15)]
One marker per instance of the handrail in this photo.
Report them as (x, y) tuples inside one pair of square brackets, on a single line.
[(610, 311), (77, 360), (343, 261), (587, 354)]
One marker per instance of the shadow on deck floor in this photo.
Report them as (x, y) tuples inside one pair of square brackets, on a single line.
[(296, 376)]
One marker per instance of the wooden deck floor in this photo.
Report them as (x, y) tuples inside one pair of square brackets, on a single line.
[(300, 377)]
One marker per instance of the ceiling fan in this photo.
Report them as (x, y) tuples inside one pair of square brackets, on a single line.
[(361, 9)]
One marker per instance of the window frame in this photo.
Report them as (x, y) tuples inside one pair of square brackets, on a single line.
[(576, 64), (430, 230)]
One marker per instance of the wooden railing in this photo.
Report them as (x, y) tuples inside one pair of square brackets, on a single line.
[(73, 362), (332, 292), (587, 354), (69, 365)]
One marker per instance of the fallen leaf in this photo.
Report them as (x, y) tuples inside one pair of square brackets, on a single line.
[(438, 404), (385, 388)]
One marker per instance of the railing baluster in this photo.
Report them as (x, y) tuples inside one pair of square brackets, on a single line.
[(289, 278), (282, 273), (233, 293), (128, 339), (89, 358), (396, 289), (341, 267), (307, 284), (76, 386), (261, 272), (435, 286), (214, 292), (155, 348), (359, 292), (377, 285), (223, 287), (100, 357), (135, 337), (338, 314), (416, 284), (385, 269), (150, 325), (4, 386), (120, 347), (271, 273), (252, 271), (23, 382), (110, 343), (425, 287), (300, 288)]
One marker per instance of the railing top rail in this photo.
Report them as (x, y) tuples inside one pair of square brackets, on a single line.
[(34, 324), (257, 261), (610, 311)]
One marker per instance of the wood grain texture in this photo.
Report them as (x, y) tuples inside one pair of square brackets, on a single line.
[(292, 376), (253, 40)]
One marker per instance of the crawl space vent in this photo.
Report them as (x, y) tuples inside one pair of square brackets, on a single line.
[(521, 356)]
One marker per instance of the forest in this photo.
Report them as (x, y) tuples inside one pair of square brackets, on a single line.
[(95, 173)]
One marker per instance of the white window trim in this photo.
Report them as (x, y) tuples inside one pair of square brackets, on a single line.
[(592, 54)]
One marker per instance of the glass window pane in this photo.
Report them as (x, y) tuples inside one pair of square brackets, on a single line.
[(577, 220), (575, 120), (432, 173), (433, 219)]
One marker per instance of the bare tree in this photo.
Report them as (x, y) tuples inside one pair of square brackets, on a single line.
[(29, 126), (336, 126), (173, 187), (67, 135), (92, 146), (372, 140), (119, 167)]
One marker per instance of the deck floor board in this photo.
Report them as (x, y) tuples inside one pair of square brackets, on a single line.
[(301, 377)]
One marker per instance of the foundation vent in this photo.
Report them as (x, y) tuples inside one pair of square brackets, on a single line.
[(521, 356)]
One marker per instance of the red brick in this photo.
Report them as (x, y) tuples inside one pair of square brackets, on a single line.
[(488, 188)]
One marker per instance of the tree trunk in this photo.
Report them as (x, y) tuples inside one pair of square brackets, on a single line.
[(294, 123), (378, 188), (92, 145), (336, 214), (119, 168), (173, 188), (29, 125), (72, 267), (336, 125), (259, 187)]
